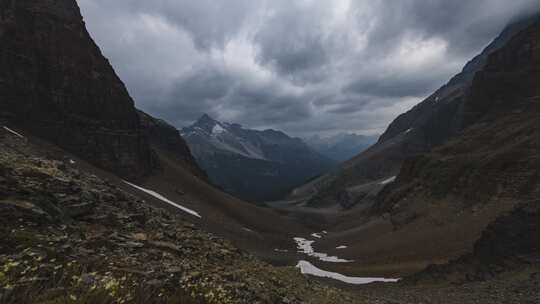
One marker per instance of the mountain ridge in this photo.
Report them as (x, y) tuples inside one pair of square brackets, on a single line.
[(427, 125), (252, 164)]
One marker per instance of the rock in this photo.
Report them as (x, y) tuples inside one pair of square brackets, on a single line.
[(78, 210)]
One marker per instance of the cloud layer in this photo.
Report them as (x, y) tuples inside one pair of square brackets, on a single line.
[(302, 66)]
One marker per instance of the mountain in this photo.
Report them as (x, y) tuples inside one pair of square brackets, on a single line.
[(341, 147), (253, 165), (429, 124), (468, 206), (55, 82)]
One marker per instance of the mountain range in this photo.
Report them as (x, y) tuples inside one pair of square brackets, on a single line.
[(250, 164), (342, 146)]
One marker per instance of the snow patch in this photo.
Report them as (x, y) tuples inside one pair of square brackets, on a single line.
[(306, 247), (409, 130), (308, 268), (217, 129), (388, 181), (342, 247), (281, 250), (164, 199), (72, 162), (13, 132), (316, 235)]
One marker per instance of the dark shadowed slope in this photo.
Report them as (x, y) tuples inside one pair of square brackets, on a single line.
[(55, 82), (427, 125)]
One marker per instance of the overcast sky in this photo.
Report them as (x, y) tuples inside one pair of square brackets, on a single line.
[(302, 66)]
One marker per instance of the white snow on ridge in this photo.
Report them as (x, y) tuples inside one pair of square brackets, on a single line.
[(308, 268), (164, 199), (305, 246), (13, 132), (388, 181), (217, 129)]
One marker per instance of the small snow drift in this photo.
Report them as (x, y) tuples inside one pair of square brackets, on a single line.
[(164, 199), (310, 269), (13, 132), (305, 246), (388, 181)]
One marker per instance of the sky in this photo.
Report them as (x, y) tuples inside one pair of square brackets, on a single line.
[(306, 67)]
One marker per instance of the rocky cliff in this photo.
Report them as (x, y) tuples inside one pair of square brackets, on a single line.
[(55, 82)]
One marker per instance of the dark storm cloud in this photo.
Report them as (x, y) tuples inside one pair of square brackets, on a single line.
[(303, 66)]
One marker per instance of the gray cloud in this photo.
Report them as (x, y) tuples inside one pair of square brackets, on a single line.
[(301, 66)]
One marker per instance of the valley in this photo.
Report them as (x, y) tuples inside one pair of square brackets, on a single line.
[(102, 202)]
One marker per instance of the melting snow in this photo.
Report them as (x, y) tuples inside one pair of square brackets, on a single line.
[(342, 247), (388, 181), (308, 268), (13, 132), (305, 246), (164, 199)]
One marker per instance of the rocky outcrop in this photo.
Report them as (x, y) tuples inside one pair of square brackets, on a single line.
[(167, 138), (55, 82)]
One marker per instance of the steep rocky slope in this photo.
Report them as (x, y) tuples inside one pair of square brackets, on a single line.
[(427, 125), (250, 164), (494, 162), (55, 82), (70, 237)]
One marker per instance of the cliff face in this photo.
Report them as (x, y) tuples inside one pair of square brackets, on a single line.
[(55, 82)]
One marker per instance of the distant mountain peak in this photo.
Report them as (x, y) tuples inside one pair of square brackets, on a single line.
[(253, 164), (205, 119)]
